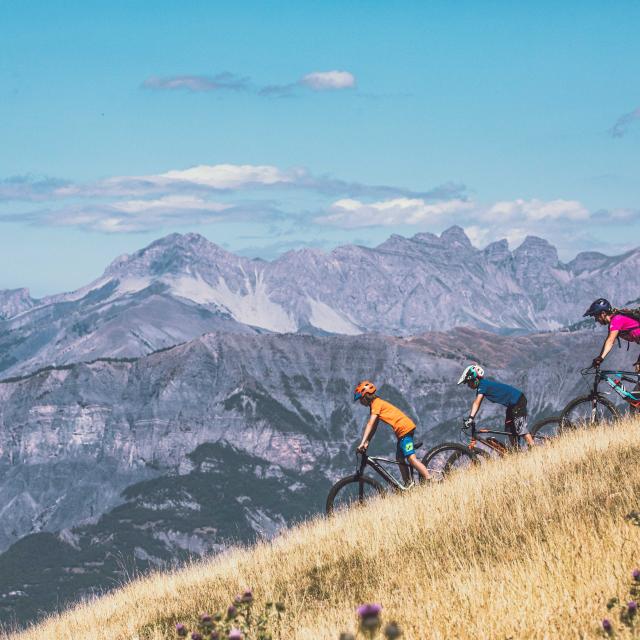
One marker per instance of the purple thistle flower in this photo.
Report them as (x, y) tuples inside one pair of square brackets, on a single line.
[(632, 607), (232, 612), (235, 634), (196, 636), (607, 626), (181, 630), (369, 610), (636, 575), (247, 596), (205, 618)]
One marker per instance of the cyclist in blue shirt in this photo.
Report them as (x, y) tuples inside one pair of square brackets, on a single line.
[(513, 399)]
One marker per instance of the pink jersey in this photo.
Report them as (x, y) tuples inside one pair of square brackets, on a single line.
[(629, 327)]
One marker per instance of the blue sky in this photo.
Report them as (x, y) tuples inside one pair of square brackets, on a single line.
[(271, 126)]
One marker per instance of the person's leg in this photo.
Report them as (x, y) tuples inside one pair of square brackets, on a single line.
[(520, 422), (400, 459), (509, 425), (418, 466)]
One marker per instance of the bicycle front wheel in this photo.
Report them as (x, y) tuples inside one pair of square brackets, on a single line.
[(588, 412), (448, 457), (350, 491)]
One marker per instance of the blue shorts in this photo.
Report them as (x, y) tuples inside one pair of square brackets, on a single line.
[(405, 446)]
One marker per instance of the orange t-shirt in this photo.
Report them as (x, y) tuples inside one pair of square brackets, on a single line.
[(398, 421)]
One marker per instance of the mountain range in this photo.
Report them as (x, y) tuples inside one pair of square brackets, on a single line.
[(182, 286), (191, 399), (119, 466)]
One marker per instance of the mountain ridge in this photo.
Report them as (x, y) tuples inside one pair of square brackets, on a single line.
[(181, 286)]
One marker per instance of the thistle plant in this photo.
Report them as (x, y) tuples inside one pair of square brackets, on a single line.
[(625, 610), (370, 623), (238, 622)]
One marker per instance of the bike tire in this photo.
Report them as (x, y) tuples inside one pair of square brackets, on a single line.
[(569, 420), (544, 430), (375, 488), (445, 458)]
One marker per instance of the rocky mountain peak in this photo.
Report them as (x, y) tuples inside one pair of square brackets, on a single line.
[(15, 301), (455, 235), (535, 249), (587, 260), (172, 255), (497, 251)]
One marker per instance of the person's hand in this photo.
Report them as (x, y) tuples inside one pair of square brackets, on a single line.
[(469, 422), (362, 447), (597, 362)]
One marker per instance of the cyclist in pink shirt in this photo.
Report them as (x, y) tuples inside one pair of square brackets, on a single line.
[(623, 323)]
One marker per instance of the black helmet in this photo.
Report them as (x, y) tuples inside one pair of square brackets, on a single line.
[(597, 307)]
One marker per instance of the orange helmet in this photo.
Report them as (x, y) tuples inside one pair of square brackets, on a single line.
[(363, 387)]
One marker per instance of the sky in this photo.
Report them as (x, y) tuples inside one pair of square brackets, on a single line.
[(273, 126)]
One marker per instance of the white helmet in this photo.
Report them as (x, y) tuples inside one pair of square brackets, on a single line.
[(472, 372)]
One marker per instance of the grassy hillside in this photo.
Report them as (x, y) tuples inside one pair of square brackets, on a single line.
[(528, 547)]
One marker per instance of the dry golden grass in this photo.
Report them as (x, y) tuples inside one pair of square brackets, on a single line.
[(527, 547)]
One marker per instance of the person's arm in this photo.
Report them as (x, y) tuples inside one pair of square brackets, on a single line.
[(606, 347), (475, 407), (369, 431)]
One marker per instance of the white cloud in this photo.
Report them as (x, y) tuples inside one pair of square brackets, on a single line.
[(229, 176), (397, 211), (169, 203), (128, 216), (329, 80), (536, 210), (217, 176)]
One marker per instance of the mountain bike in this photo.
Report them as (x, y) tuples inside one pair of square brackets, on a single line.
[(357, 488), (447, 457), (595, 408)]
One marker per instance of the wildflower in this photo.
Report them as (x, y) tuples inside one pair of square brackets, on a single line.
[(235, 634), (247, 596), (607, 626), (632, 608), (369, 617), (369, 610), (181, 630), (196, 636), (205, 618), (237, 600), (232, 612), (636, 575), (392, 631)]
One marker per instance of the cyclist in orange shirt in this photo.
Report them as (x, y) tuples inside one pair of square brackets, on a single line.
[(402, 426)]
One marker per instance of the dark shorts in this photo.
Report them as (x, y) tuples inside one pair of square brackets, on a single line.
[(405, 447), (516, 419)]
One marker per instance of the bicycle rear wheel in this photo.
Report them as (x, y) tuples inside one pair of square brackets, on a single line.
[(546, 429), (350, 491), (588, 412), (448, 457)]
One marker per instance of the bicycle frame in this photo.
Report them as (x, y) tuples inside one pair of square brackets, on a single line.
[(374, 463), (614, 379), (495, 445)]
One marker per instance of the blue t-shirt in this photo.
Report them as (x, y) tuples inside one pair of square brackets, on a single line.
[(499, 392)]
